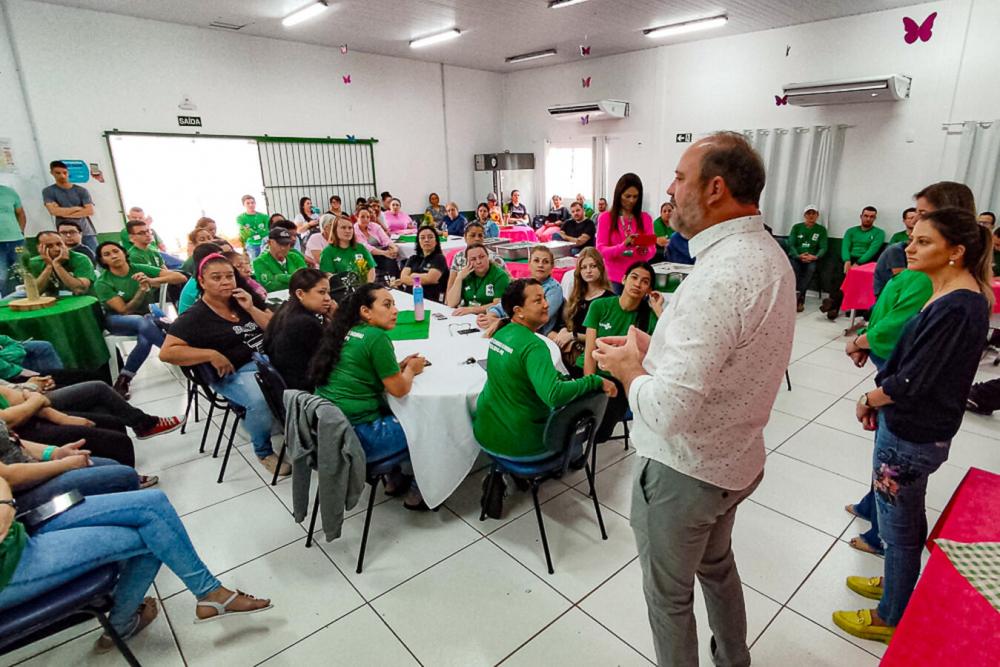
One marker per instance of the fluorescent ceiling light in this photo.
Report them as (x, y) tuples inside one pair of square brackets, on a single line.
[(556, 4), (534, 55), (672, 29), (435, 38), (304, 14)]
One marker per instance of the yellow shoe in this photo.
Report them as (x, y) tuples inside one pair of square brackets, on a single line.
[(869, 587), (859, 624)]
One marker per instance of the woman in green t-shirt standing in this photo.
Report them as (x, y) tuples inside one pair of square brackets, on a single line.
[(478, 285), (356, 365), (345, 255), (126, 291)]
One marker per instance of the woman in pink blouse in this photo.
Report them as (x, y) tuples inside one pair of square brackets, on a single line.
[(396, 220), (383, 250), (617, 242)]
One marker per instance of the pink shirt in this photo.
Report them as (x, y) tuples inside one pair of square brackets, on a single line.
[(376, 236), (316, 243), (611, 244), (397, 222)]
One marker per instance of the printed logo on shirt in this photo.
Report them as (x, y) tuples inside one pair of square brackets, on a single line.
[(815, 237), (356, 334), (489, 290), (605, 325), (499, 347)]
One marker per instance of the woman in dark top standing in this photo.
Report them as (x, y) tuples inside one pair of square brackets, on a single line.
[(919, 403), (429, 264), (296, 329)]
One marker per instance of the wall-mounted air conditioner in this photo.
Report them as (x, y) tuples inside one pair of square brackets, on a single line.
[(888, 88), (600, 110)]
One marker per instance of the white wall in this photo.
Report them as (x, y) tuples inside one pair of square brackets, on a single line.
[(88, 72), (729, 83)]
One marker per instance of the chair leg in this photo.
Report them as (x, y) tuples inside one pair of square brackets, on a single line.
[(117, 639), (196, 396), (593, 496), (187, 408), (788, 380), (312, 521), (208, 425), (281, 457), (222, 430), (489, 491), (368, 523), (229, 448), (541, 527), (625, 426)]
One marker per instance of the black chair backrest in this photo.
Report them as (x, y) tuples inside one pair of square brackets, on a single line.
[(273, 386), (570, 430), (203, 375)]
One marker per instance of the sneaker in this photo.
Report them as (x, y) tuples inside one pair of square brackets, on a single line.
[(270, 462), (972, 406), (869, 587), (493, 504), (800, 306), (859, 624), (826, 305), (122, 386), (832, 314), (159, 427)]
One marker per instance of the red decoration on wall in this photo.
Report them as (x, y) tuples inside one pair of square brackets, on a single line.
[(585, 120), (586, 82), (584, 50), (347, 78), (912, 32), (780, 101), (343, 49)]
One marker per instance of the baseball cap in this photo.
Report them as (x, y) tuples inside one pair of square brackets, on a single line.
[(281, 235), (810, 207)]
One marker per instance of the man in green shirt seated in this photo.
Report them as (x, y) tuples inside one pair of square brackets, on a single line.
[(275, 267), (861, 245), (909, 219), (142, 248), (806, 245), (58, 268), (254, 227)]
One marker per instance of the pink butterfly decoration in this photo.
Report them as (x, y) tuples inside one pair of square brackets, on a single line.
[(347, 78), (586, 82), (585, 120), (780, 101), (584, 50), (343, 49), (913, 32)]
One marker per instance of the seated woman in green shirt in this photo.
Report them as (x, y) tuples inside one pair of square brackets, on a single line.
[(663, 230), (522, 385), (355, 365), (639, 305), (126, 291), (58, 268), (478, 285), (349, 262)]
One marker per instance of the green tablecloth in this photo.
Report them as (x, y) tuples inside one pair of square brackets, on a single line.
[(409, 329), (412, 238), (72, 325)]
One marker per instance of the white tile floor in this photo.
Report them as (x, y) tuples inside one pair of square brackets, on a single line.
[(444, 589)]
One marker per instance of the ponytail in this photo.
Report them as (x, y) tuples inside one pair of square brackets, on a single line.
[(348, 316), (983, 268)]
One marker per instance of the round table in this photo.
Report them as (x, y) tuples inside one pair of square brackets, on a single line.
[(521, 269), (518, 233), (72, 325), (407, 247)]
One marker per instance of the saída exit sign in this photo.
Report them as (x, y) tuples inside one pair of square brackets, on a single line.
[(189, 121)]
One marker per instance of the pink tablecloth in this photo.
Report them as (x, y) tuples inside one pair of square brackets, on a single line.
[(518, 233), (519, 270), (859, 289)]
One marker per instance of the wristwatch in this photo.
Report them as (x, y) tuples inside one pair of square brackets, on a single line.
[(11, 502), (864, 400)]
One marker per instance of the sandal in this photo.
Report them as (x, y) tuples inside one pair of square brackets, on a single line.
[(396, 483), (861, 544), (146, 481), (144, 615), (851, 509), (221, 608)]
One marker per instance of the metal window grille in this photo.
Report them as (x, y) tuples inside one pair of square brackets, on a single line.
[(292, 168)]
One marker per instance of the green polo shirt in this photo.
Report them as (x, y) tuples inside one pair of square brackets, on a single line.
[(661, 228), (78, 265), (356, 258), (253, 228), (9, 202), (150, 256), (108, 285), (805, 239), (522, 388), (127, 242), (483, 291), (861, 245), (901, 298), (355, 384), (607, 318), (899, 237), (274, 275)]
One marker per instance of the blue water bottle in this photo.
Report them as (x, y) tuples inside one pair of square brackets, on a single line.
[(418, 300)]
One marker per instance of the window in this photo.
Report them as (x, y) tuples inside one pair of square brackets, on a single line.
[(569, 170)]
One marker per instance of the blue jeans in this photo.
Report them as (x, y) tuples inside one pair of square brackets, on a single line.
[(41, 356), (381, 438), (901, 469), (90, 241), (252, 251), (139, 530), (241, 388), (8, 258), (105, 476), (147, 336)]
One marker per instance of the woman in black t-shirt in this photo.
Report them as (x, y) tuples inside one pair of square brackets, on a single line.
[(224, 329), (296, 329), (918, 405), (429, 264)]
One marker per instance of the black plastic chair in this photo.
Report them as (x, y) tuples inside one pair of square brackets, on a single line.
[(273, 386), (64, 607), (568, 438), (202, 376)]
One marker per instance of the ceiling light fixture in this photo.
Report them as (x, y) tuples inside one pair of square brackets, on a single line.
[(534, 55), (672, 29), (557, 4), (435, 38), (304, 14)]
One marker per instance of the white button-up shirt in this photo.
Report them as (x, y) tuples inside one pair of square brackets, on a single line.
[(717, 358)]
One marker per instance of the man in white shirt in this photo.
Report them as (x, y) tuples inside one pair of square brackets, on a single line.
[(701, 390)]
